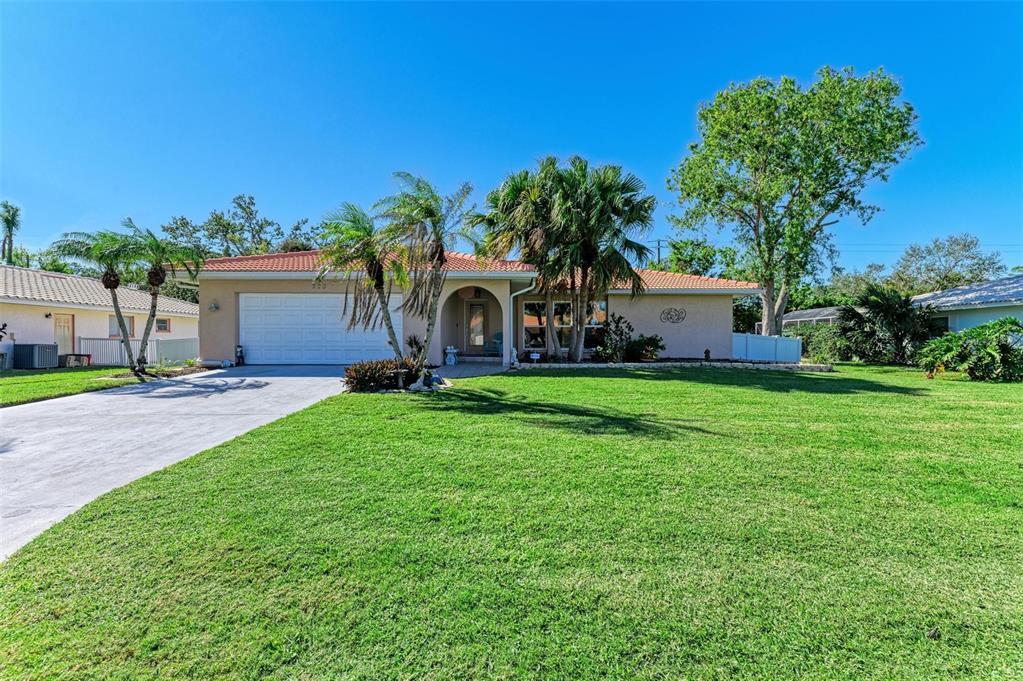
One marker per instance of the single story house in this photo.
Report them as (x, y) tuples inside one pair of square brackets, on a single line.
[(965, 307), (51, 307), (275, 309)]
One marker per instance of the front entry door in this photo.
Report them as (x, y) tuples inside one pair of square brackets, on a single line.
[(477, 326), (64, 333)]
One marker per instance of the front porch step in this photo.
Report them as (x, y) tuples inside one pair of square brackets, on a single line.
[(479, 358)]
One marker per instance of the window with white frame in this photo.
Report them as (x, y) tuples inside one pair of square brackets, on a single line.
[(162, 325), (115, 331), (534, 322)]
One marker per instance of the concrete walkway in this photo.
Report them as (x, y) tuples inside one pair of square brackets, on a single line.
[(57, 455)]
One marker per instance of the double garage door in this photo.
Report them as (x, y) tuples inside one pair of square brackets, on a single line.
[(308, 328)]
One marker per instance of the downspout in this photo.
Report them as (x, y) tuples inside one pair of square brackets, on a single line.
[(511, 300)]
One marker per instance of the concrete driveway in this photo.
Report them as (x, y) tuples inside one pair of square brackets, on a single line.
[(57, 455)]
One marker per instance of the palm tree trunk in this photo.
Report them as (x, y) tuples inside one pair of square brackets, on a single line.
[(144, 345), (385, 311), (553, 342), (580, 306), (125, 336), (431, 322)]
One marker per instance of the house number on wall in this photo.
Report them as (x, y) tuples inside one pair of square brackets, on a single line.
[(319, 284), (673, 315)]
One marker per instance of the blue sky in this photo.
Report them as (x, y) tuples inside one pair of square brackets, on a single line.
[(153, 110)]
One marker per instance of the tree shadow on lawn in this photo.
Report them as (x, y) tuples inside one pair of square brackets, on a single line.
[(775, 381), (572, 417)]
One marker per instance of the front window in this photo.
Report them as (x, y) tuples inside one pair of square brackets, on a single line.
[(534, 323), (115, 331)]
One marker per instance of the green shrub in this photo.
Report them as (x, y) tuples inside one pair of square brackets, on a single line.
[(644, 348), (617, 336), (381, 374), (822, 343), (990, 352)]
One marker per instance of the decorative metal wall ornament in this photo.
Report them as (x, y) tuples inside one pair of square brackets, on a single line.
[(673, 315)]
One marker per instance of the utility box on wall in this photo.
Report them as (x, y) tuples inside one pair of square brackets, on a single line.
[(35, 356)]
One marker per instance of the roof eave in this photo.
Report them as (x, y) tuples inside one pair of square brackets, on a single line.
[(10, 300), (734, 292), (309, 274)]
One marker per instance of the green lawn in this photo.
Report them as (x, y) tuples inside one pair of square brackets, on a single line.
[(30, 385), (647, 523)]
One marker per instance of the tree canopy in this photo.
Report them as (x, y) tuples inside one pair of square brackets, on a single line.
[(946, 263), (779, 164), (241, 230)]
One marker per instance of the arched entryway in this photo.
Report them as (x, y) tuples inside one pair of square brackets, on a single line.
[(472, 319)]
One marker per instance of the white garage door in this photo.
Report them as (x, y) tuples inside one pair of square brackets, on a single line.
[(307, 328)]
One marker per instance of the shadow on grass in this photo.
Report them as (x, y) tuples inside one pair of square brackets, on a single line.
[(774, 381), (571, 417)]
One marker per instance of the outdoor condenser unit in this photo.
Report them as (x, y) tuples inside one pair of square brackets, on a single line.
[(35, 356)]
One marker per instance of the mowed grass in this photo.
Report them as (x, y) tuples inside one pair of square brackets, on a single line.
[(31, 385), (651, 523)]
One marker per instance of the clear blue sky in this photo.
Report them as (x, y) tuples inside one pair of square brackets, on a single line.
[(153, 110)]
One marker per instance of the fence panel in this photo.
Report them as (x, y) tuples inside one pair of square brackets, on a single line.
[(754, 348), (108, 351)]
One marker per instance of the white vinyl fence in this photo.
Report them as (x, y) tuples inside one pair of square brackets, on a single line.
[(754, 348), (108, 351)]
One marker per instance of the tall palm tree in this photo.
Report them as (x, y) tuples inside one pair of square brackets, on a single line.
[(427, 223), (518, 216), (370, 260), (884, 325), (109, 252), (10, 215), (155, 254), (599, 211)]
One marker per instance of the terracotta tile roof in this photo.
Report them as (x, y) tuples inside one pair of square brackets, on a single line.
[(655, 280), (21, 283), (309, 261)]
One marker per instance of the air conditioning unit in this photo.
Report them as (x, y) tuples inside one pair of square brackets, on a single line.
[(35, 356)]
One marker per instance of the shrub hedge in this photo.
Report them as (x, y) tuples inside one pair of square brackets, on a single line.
[(381, 374), (990, 352)]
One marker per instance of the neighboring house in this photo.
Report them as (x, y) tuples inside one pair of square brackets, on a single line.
[(50, 307), (273, 307), (965, 307)]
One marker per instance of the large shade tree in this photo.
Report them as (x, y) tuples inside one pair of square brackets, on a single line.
[(599, 212), (371, 260), (779, 164), (427, 223), (518, 216)]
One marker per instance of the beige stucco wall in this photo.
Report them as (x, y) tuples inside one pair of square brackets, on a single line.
[(218, 330), (708, 322), (707, 325), (29, 324)]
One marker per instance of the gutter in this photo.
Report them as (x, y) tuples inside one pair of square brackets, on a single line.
[(511, 300)]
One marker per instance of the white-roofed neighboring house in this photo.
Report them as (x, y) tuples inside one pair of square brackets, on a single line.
[(965, 307), (51, 307)]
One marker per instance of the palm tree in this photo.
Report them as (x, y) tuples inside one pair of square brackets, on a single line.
[(109, 252), (883, 325), (10, 215), (153, 253), (598, 210), (427, 223), (371, 262), (518, 216)]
